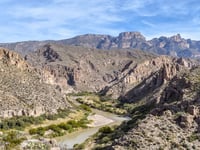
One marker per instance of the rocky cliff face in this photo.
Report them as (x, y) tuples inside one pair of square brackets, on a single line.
[(173, 46), (83, 69), (173, 123), (163, 93), (22, 91), (11, 58), (124, 74), (144, 77)]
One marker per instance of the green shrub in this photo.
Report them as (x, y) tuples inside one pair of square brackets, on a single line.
[(105, 139), (85, 107), (65, 126), (106, 130), (193, 137), (23, 121), (83, 93), (40, 131), (78, 146), (12, 139), (105, 98), (54, 128), (58, 128), (79, 99)]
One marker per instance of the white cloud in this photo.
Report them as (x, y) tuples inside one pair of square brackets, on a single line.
[(149, 23), (65, 18)]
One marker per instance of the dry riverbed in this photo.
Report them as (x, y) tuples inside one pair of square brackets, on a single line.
[(99, 120)]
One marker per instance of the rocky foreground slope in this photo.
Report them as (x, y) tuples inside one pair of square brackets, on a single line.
[(173, 123), (22, 91)]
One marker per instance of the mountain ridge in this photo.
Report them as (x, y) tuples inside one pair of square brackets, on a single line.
[(173, 46)]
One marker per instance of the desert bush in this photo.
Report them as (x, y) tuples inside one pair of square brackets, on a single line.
[(40, 131), (106, 130), (85, 107), (57, 129), (12, 139)]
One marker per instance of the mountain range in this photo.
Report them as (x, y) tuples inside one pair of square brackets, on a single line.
[(173, 46)]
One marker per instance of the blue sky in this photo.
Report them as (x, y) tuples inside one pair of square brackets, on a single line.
[(59, 19)]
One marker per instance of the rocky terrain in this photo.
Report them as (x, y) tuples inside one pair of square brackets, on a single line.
[(173, 46), (160, 93), (76, 69), (173, 123), (22, 90), (114, 73), (164, 108)]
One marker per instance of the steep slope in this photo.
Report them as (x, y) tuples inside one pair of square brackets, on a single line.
[(173, 46), (120, 74), (162, 117), (82, 69), (173, 123), (22, 91)]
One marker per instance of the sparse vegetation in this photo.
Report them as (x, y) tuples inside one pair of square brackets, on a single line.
[(12, 139), (59, 129), (193, 137), (83, 93), (85, 107), (21, 122), (106, 130), (105, 103), (106, 135), (37, 146)]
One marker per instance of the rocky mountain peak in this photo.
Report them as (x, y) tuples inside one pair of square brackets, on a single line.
[(12, 58), (131, 35), (176, 38)]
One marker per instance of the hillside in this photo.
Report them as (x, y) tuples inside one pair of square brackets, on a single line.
[(23, 92), (84, 69), (164, 111), (173, 123), (114, 73)]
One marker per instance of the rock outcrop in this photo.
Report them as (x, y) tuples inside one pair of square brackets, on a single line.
[(22, 90), (146, 76)]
